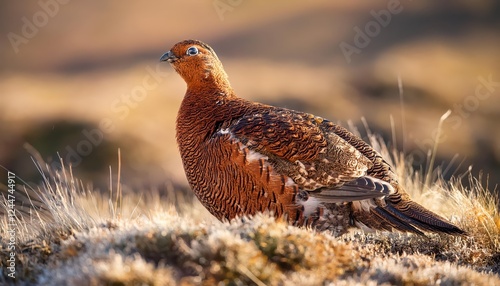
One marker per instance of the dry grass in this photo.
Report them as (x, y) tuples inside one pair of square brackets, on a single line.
[(73, 236)]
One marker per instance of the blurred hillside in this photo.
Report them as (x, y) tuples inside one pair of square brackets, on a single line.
[(82, 79)]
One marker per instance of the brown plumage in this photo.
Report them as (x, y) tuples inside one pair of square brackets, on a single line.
[(242, 157)]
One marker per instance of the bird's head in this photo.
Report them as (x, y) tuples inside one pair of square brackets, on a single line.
[(197, 63)]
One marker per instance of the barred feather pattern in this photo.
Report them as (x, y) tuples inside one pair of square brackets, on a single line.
[(242, 157)]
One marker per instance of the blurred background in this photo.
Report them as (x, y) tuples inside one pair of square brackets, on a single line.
[(81, 79)]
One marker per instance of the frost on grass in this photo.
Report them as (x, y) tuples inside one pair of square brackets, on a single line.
[(73, 236)]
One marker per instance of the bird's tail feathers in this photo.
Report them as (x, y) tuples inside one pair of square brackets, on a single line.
[(402, 214)]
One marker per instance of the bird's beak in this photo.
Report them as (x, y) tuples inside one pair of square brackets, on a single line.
[(168, 57)]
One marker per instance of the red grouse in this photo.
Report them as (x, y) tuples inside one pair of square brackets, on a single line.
[(242, 157)]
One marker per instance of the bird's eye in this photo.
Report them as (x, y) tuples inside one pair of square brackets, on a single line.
[(192, 51)]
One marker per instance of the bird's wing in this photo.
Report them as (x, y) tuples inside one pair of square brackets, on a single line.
[(333, 166), (316, 159), (362, 188)]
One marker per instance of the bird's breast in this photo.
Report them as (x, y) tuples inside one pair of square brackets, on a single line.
[(231, 179)]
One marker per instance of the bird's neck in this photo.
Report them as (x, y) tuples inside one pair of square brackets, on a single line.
[(211, 80), (204, 76), (201, 109), (205, 103)]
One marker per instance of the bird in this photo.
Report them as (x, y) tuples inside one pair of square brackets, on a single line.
[(242, 158)]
